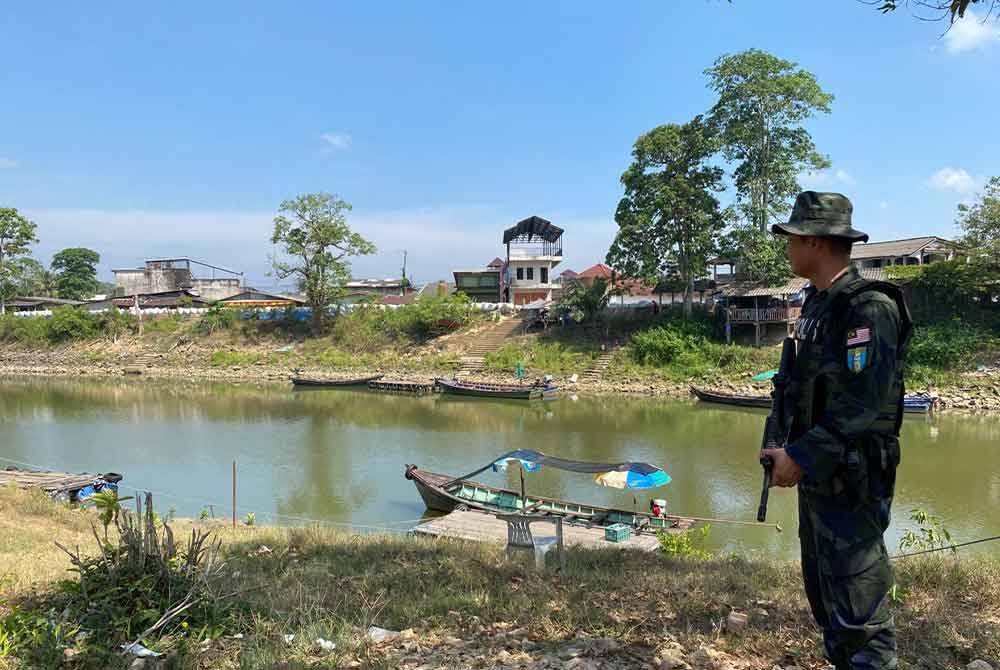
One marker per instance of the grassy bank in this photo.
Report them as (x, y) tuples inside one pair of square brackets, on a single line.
[(460, 602)]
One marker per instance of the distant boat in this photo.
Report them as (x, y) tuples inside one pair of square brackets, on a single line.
[(60, 485), (488, 390), (306, 382), (912, 404)]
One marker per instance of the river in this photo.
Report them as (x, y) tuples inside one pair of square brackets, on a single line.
[(339, 456)]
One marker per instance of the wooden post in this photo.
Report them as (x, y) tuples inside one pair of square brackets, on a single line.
[(234, 493), (524, 498)]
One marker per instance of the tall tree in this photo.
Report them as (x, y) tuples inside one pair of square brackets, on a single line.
[(313, 231), (669, 218), (758, 255), (17, 233), (76, 272), (980, 221), (762, 103)]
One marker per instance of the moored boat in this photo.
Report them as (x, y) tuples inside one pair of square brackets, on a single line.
[(306, 382), (488, 390), (444, 493), (914, 403), (61, 486)]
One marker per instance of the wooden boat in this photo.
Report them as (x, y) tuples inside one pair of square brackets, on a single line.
[(446, 494), (732, 399), (60, 485), (916, 403), (487, 390), (306, 382)]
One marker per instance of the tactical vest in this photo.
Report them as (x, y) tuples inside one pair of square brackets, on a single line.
[(820, 357)]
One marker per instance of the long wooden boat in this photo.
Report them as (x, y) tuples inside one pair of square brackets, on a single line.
[(60, 485), (912, 404), (306, 382), (446, 494), (732, 399), (487, 390)]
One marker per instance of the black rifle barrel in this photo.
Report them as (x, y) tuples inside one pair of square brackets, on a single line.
[(775, 427)]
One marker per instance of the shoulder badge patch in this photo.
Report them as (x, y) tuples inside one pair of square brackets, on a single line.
[(859, 336), (857, 359)]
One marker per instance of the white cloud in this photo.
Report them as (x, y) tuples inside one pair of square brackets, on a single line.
[(971, 33), (953, 179), (438, 239), (826, 178), (335, 140), (883, 205), (7, 163)]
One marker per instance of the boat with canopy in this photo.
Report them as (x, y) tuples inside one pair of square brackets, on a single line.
[(444, 493)]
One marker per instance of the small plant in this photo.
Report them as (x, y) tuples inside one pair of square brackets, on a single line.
[(171, 513), (930, 533), (686, 544), (216, 319), (109, 506), (250, 519), (203, 514)]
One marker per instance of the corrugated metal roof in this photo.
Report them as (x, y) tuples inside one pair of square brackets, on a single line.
[(895, 248), (533, 226)]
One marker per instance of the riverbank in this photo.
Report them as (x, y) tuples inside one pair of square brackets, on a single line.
[(224, 361), (462, 605)]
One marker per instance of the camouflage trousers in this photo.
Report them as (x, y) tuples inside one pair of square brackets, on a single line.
[(847, 578)]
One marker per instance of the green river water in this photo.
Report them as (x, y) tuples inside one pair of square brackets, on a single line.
[(339, 456)]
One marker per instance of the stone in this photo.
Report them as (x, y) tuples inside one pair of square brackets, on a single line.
[(376, 634), (580, 663), (736, 621), (672, 659), (979, 664)]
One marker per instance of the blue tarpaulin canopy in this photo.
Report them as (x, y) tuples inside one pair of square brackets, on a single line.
[(625, 475)]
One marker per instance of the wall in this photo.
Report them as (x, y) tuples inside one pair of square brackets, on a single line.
[(216, 289), (130, 282)]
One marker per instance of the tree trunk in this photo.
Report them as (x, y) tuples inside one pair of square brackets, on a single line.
[(688, 297)]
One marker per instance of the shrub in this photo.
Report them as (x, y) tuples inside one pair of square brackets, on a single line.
[(368, 328), (72, 323), (686, 544), (217, 318), (164, 324), (949, 345), (114, 323), (28, 330)]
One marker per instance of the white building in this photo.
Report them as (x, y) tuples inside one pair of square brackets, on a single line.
[(534, 249)]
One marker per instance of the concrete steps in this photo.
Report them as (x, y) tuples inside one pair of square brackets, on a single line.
[(487, 342), (596, 370)]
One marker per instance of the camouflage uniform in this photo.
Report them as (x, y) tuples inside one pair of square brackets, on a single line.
[(845, 403)]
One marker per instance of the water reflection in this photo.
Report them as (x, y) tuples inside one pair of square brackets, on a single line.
[(339, 455)]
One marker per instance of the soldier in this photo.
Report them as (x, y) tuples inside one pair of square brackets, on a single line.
[(845, 406)]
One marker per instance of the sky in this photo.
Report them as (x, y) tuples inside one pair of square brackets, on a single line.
[(146, 130)]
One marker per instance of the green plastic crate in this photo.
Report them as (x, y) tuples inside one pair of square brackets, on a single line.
[(617, 532)]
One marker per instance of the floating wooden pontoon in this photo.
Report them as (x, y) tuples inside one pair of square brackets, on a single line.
[(60, 485)]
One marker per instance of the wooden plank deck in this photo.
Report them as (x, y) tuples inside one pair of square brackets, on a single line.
[(484, 527), (50, 482)]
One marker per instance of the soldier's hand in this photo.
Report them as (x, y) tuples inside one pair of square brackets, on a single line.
[(785, 471)]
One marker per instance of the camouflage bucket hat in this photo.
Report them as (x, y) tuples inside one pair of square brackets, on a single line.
[(822, 215)]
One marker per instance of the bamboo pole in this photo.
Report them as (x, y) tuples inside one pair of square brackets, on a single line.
[(234, 493)]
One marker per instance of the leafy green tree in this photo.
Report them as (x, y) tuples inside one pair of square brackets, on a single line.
[(759, 256), (763, 100), (584, 301), (313, 231), (939, 8), (17, 233), (76, 272), (26, 276), (669, 218), (980, 221)]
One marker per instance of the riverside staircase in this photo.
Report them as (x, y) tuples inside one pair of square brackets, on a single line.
[(487, 341), (596, 370)]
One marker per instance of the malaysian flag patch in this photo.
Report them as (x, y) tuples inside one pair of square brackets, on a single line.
[(858, 336)]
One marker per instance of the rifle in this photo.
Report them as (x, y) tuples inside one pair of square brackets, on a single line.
[(775, 427)]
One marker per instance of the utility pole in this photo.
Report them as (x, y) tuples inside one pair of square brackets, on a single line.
[(403, 283)]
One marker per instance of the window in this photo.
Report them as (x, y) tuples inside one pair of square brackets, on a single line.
[(531, 274), (543, 275), (520, 273)]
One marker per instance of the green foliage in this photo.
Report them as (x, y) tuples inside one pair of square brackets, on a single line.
[(203, 514), (763, 101), (758, 255), (36, 638), (226, 359), (115, 323), (540, 357), (585, 302), (686, 544), (980, 221), (314, 234), (71, 323), (109, 505), (32, 331), (370, 328), (663, 344), (930, 533), (76, 272), (26, 276), (250, 519), (949, 345), (169, 323), (17, 234), (669, 218), (216, 319)]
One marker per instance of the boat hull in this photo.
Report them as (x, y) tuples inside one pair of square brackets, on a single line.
[(503, 391), (442, 493), (911, 404), (305, 382)]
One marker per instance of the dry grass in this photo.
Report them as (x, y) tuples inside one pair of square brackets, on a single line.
[(314, 582)]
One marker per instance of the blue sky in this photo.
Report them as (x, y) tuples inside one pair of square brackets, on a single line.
[(146, 131)]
